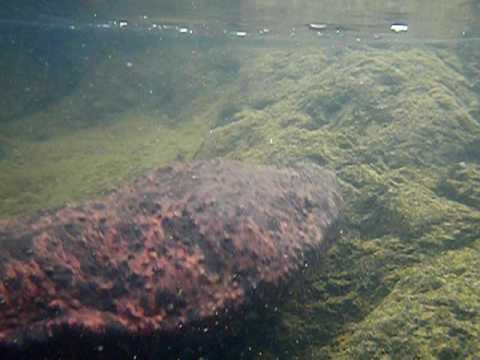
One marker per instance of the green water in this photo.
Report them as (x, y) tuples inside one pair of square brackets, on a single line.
[(85, 108)]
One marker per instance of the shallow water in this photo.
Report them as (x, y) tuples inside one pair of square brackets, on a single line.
[(95, 95)]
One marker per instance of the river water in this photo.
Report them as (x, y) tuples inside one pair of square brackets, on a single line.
[(385, 93)]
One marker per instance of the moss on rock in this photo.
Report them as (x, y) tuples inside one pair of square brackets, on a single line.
[(388, 121), (462, 184), (432, 312)]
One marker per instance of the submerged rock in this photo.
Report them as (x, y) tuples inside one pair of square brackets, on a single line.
[(407, 159), (181, 248)]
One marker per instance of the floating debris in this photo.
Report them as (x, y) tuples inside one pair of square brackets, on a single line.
[(122, 24), (399, 27), (104, 26), (240, 33), (317, 27), (183, 30)]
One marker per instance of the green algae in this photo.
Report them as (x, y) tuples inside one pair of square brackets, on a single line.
[(432, 312), (462, 184), (88, 162), (388, 122), (132, 112)]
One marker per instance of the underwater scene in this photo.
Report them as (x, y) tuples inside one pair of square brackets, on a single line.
[(248, 179)]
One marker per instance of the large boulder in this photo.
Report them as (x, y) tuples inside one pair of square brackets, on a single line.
[(179, 250)]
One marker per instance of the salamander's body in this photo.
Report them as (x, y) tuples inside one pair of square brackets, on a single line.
[(180, 245)]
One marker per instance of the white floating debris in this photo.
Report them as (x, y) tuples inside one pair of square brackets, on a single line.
[(183, 30), (72, 27), (123, 24), (240, 33), (317, 26), (398, 27), (129, 64)]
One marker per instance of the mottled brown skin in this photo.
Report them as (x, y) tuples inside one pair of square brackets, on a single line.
[(182, 244)]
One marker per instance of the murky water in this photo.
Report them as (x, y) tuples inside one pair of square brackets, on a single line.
[(384, 93)]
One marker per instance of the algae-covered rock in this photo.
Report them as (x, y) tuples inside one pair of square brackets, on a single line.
[(433, 312), (375, 100), (389, 121), (462, 184)]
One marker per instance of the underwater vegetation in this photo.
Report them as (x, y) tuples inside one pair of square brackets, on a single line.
[(133, 111), (400, 127)]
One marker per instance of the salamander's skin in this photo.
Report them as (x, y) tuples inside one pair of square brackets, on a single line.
[(178, 246)]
